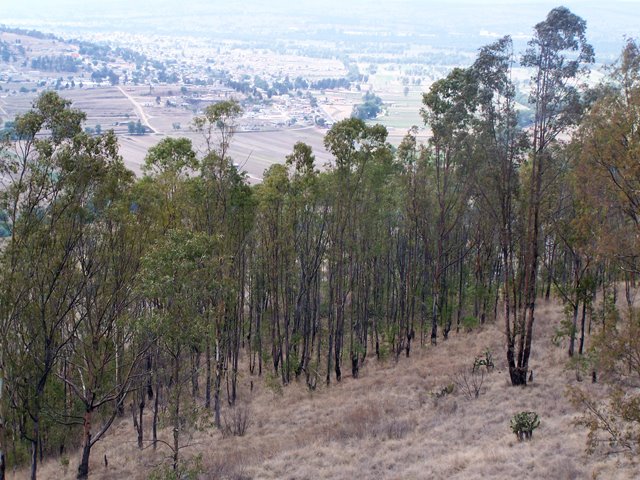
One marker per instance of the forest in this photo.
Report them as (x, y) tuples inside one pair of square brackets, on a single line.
[(160, 292)]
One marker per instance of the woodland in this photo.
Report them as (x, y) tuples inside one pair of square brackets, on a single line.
[(150, 297)]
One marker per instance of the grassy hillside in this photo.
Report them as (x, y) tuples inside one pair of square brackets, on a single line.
[(387, 424)]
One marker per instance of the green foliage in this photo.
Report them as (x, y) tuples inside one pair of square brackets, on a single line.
[(171, 155), (273, 383), (613, 423), (443, 391), (306, 270), (469, 322), (523, 424), (565, 329), (485, 360), (191, 469), (369, 108)]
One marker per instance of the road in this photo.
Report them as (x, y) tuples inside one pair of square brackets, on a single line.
[(143, 116)]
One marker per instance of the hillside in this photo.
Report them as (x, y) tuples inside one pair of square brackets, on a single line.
[(388, 425)]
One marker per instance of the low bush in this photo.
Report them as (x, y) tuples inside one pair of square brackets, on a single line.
[(523, 424)]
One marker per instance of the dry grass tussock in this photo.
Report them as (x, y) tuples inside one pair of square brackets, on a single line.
[(389, 424)]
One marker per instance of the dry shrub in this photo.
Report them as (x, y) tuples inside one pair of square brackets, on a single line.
[(469, 382), (236, 421)]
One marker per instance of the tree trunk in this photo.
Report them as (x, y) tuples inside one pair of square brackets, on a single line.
[(2, 435), (156, 408), (140, 425), (83, 468), (34, 447), (207, 391), (518, 376), (574, 326), (217, 385), (434, 317), (584, 315)]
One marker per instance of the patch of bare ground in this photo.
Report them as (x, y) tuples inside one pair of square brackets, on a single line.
[(388, 425)]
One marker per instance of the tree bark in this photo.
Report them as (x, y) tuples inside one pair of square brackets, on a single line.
[(83, 468)]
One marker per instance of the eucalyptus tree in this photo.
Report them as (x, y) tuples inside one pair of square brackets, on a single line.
[(379, 252), (309, 214), (607, 187), (499, 148), (276, 245), (178, 271), (225, 208), (559, 55), (55, 176), (353, 144), (448, 110), (102, 356), (606, 145)]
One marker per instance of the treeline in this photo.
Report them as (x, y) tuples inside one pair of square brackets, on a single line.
[(29, 33), (6, 52), (158, 294), (55, 63), (105, 73), (286, 86)]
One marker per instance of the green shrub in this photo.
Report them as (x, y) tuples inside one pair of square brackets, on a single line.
[(469, 323), (523, 424), (485, 360), (444, 391)]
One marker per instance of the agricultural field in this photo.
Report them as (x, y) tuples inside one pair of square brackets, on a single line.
[(268, 128)]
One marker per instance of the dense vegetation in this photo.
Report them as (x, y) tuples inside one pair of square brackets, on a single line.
[(160, 292)]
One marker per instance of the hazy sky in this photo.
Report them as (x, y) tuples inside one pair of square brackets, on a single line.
[(608, 21)]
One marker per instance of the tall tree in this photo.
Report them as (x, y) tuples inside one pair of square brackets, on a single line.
[(448, 110), (54, 180), (353, 144), (559, 56)]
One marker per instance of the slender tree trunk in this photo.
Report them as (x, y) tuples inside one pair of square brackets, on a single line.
[(2, 427), (83, 468), (574, 325), (156, 410), (217, 385), (584, 314), (176, 410), (207, 392), (34, 443)]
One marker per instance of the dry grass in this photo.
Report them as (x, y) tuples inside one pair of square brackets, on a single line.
[(387, 425)]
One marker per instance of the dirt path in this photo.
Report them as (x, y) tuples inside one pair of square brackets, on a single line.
[(139, 109)]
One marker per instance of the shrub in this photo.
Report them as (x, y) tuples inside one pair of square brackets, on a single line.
[(469, 323), (188, 470), (444, 391), (523, 424), (237, 421), (469, 382), (484, 360)]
